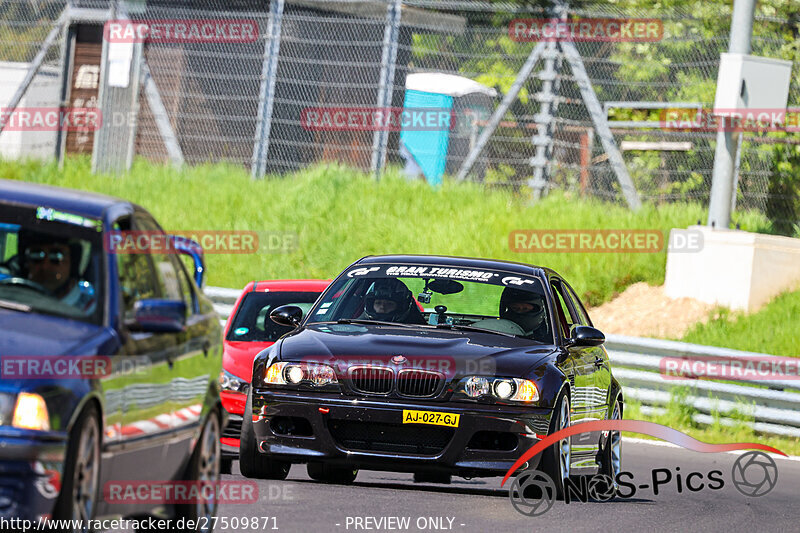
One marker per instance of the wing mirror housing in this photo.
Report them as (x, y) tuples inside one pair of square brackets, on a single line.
[(586, 336), (287, 315)]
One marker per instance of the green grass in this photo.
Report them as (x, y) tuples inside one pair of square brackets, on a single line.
[(341, 215), (772, 329)]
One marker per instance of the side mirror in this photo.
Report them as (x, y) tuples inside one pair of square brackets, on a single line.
[(158, 316), (186, 246), (586, 336), (287, 315)]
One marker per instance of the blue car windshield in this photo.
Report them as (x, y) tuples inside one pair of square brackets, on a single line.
[(50, 262), (440, 296)]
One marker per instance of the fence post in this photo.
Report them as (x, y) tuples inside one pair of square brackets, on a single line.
[(592, 104), (266, 99), (722, 179), (391, 35), (35, 66), (497, 116)]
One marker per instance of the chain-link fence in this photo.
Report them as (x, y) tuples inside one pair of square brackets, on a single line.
[(246, 101)]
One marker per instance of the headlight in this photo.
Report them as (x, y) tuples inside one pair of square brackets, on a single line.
[(316, 374), (507, 389), (231, 383), (31, 412)]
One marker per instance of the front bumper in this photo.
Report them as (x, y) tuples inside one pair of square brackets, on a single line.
[(234, 404), (369, 434), (31, 469)]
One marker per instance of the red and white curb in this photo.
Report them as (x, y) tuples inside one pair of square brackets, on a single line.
[(162, 422)]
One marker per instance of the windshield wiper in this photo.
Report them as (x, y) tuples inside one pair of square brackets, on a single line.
[(375, 322), (15, 306), (462, 327)]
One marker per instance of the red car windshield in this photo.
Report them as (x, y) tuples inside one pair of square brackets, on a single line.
[(252, 322)]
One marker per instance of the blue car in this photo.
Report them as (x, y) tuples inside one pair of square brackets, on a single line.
[(109, 361)]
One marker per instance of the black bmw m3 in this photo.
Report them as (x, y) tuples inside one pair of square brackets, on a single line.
[(434, 365)]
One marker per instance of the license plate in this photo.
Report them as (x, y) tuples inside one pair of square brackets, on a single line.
[(430, 417)]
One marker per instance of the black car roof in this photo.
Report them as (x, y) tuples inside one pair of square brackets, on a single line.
[(509, 266), (70, 200)]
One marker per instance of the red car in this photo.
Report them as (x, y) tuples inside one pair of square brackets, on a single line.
[(248, 331)]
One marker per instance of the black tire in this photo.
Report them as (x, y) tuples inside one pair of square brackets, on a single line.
[(204, 467), (253, 463), (226, 467), (80, 470), (552, 462), (610, 459), (331, 474), (430, 477)]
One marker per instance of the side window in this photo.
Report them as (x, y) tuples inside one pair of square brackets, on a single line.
[(567, 317), (583, 318), (137, 280), (187, 285), (170, 284)]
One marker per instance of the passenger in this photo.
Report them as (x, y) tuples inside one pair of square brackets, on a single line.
[(528, 310)]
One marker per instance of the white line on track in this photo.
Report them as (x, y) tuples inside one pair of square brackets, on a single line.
[(634, 440)]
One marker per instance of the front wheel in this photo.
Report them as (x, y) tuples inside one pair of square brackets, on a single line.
[(78, 498), (557, 458), (204, 469)]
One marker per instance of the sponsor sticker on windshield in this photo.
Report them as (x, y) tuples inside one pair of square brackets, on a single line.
[(50, 214)]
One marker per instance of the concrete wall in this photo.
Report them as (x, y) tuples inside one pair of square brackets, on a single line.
[(735, 269), (43, 92)]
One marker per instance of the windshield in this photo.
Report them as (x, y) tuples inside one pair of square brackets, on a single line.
[(444, 297), (252, 322), (50, 262)]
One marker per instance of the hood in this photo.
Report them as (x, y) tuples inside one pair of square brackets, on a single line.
[(455, 353), (237, 357), (37, 334)]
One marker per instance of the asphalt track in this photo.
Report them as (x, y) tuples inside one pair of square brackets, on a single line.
[(481, 505)]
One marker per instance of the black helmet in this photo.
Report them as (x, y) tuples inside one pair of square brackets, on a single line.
[(529, 321), (388, 289)]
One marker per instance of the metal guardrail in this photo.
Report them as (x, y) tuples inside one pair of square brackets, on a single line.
[(773, 405)]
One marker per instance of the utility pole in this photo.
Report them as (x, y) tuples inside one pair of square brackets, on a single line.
[(722, 189)]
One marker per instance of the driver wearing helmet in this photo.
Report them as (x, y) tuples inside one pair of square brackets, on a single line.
[(389, 300), (53, 263), (526, 309)]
